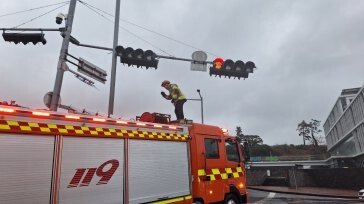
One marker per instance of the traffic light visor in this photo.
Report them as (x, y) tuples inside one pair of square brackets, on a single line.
[(250, 67), (119, 49)]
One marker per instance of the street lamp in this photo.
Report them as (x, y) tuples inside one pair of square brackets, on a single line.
[(201, 99), (199, 93)]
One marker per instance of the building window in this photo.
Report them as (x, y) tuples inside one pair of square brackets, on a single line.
[(343, 103), (212, 148), (346, 148), (232, 151)]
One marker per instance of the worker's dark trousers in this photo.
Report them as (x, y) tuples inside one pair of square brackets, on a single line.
[(179, 109)]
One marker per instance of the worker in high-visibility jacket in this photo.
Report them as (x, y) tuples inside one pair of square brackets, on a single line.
[(176, 96)]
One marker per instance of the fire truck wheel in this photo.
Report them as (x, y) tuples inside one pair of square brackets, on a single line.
[(231, 199)]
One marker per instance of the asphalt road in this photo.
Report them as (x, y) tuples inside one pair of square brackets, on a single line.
[(260, 197)]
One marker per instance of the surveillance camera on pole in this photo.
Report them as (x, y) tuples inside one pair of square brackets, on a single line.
[(60, 17)]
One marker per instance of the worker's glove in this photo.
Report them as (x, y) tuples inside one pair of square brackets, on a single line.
[(164, 94)]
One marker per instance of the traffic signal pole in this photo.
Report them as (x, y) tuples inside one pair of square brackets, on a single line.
[(62, 57), (114, 58)]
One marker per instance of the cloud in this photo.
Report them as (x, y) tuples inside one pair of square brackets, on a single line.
[(305, 51)]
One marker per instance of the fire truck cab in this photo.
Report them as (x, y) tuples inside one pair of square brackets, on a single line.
[(52, 157), (217, 166)]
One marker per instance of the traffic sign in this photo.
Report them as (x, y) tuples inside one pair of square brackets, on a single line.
[(199, 61), (91, 70)]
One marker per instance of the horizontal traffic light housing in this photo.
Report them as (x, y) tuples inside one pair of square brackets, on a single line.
[(137, 57), (25, 38), (229, 68)]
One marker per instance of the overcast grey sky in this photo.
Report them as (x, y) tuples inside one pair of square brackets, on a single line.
[(306, 52)]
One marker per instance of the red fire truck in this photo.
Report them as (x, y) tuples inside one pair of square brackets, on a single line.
[(52, 157)]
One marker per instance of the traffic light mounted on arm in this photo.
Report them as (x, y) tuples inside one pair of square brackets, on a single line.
[(25, 38), (229, 68), (137, 57)]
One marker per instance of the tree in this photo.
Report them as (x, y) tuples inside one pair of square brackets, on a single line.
[(262, 150), (239, 134), (303, 129), (315, 130), (252, 140), (310, 131), (239, 131)]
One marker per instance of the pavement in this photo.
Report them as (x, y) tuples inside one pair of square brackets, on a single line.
[(310, 191)]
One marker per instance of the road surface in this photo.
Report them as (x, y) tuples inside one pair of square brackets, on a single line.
[(260, 197)]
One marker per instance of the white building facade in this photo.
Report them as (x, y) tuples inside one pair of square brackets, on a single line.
[(344, 129)]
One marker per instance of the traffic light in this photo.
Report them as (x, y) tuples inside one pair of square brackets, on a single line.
[(137, 57), (25, 38), (229, 68)]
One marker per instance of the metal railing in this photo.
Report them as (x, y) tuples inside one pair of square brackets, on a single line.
[(288, 158)]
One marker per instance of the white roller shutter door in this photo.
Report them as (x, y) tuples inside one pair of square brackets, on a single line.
[(157, 170), (25, 168), (89, 154)]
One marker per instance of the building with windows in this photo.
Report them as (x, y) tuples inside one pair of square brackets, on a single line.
[(344, 129)]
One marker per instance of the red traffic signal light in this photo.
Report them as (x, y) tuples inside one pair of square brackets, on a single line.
[(25, 38), (229, 68), (137, 57), (218, 63)]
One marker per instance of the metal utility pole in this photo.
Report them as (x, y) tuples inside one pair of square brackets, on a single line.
[(62, 57), (114, 58)]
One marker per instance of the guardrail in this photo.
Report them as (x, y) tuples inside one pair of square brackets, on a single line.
[(288, 158)]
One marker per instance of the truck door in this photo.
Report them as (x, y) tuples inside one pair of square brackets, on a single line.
[(234, 165), (214, 165)]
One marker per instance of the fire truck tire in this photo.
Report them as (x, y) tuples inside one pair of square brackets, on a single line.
[(244, 199), (231, 199)]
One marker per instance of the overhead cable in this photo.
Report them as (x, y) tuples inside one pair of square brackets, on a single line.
[(40, 15), (135, 35), (141, 27), (32, 9)]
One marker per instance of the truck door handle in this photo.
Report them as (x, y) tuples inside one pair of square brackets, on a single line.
[(206, 178)]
